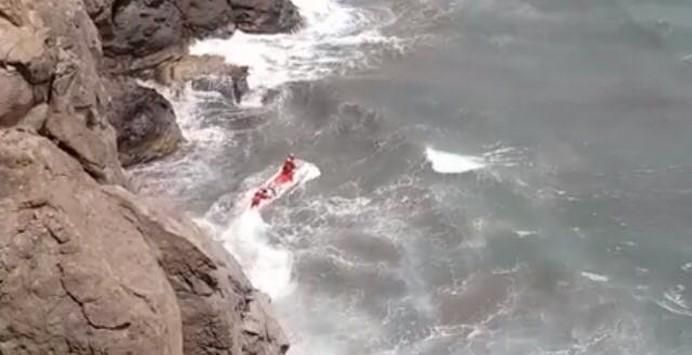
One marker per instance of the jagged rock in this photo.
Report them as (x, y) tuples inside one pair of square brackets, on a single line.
[(88, 268), (141, 28), (16, 97), (75, 138), (209, 17), (144, 121), (207, 73), (217, 302), (139, 35), (76, 276), (265, 16)]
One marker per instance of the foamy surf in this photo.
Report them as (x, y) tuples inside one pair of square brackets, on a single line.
[(450, 163), (594, 277), (268, 265), (331, 40)]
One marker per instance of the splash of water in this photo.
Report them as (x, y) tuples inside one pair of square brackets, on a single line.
[(450, 163), (268, 266)]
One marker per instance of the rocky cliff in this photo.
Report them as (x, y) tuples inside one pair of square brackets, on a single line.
[(87, 266)]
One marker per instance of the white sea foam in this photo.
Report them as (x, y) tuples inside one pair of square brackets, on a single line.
[(450, 163), (594, 277), (268, 265)]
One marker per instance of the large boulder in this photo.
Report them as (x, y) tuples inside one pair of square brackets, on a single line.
[(221, 312), (16, 97), (144, 121), (76, 276), (88, 268)]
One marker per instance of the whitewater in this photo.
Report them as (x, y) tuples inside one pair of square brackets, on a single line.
[(484, 186)]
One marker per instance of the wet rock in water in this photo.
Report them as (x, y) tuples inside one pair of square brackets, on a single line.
[(144, 121), (265, 16), (86, 267), (140, 35), (207, 73), (50, 51), (217, 302)]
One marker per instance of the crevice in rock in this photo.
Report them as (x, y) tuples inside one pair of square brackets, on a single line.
[(81, 305), (86, 164), (142, 297)]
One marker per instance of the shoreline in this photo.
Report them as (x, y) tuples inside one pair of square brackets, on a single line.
[(114, 271)]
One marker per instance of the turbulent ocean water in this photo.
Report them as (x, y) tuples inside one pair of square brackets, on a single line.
[(497, 176)]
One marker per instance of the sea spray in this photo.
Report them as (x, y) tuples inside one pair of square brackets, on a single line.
[(268, 266)]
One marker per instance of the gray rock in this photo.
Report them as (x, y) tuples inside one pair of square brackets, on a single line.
[(265, 16), (144, 121)]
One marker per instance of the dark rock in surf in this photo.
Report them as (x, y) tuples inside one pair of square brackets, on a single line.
[(77, 275), (206, 73), (139, 35), (144, 121)]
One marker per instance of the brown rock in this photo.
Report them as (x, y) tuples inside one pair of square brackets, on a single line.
[(221, 312), (265, 16), (92, 150), (16, 97), (76, 276)]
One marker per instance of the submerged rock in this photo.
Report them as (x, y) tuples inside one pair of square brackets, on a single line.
[(140, 35)]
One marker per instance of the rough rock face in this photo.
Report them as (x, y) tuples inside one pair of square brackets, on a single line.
[(53, 60), (76, 276), (88, 268), (207, 73), (145, 123), (265, 16), (221, 312)]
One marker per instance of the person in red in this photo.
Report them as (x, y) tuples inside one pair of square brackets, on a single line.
[(261, 194), (287, 170)]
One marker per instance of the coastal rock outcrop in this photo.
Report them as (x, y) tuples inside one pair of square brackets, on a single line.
[(140, 35), (49, 53), (87, 266), (206, 73), (144, 121)]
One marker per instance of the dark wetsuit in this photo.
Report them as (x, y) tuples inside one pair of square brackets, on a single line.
[(259, 196)]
